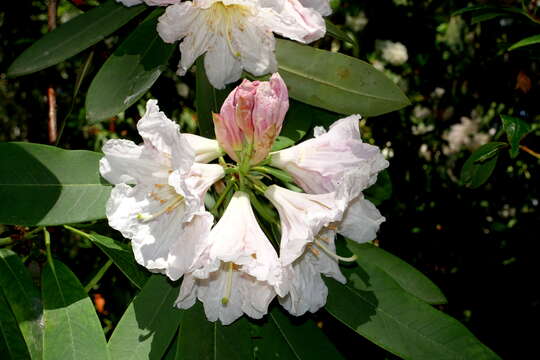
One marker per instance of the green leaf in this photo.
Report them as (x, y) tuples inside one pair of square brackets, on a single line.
[(381, 190), (24, 300), (336, 82), (73, 37), (129, 72), (296, 125), (208, 100), (376, 307), (337, 33), (480, 165), (72, 327), (200, 339), (45, 185), (531, 40), (515, 129), (149, 323), (12, 345), (121, 255), (410, 279)]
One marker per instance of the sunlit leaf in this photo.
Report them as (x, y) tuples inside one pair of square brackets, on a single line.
[(45, 185), (12, 345), (72, 327), (73, 37)]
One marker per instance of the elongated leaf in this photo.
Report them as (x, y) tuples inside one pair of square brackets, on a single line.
[(336, 82), (515, 129), (12, 345), (72, 328), (44, 185), (122, 256), (73, 37), (480, 165), (531, 40), (376, 307), (337, 33), (410, 279), (149, 323), (129, 72), (208, 100), (199, 339), (24, 300)]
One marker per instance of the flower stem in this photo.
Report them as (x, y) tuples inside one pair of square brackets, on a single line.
[(76, 231), (529, 151), (278, 174), (222, 197), (47, 236), (98, 276)]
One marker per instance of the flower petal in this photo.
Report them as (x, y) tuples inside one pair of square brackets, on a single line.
[(321, 6), (361, 221), (205, 149), (221, 66)]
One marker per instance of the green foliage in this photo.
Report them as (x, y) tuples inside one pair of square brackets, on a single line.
[(45, 185), (336, 82), (72, 38), (515, 129), (480, 165), (72, 329), (528, 41), (12, 343)]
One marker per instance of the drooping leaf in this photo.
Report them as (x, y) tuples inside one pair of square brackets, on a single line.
[(149, 323), (200, 339), (336, 82), (480, 165), (410, 279), (515, 129), (121, 255), (337, 33), (73, 37), (531, 40), (381, 190), (376, 307), (208, 100), (24, 300), (129, 72), (72, 327), (12, 345), (45, 185)]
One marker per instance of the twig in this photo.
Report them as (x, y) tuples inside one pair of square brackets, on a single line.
[(529, 151), (51, 93), (98, 276)]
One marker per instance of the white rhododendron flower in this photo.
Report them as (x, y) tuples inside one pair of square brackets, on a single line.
[(302, 217), (236, 35), (242, 271), (322, 6), (334, 159), (307, 290), (165, 205), (394, 52), (148, 2)]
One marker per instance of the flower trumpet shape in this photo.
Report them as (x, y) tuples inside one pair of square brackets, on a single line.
[(236, 35), (338, 159), (242, 271), (251, 118), (165, 205)]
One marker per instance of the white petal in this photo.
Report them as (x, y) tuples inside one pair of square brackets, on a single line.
[(130, 2), (361, 221), (164, 135), (194, 45), (177, 21), (151, 239), (185, 253), (302, 217), (220, 64), (321, 6), (205, 149), (125, 162), (256, 45), (290, 19)]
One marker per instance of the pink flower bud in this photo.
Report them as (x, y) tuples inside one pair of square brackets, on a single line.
[(251, 118)]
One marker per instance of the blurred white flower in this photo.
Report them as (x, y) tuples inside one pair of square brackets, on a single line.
[(466, 134), (394, 53), (356, 23)]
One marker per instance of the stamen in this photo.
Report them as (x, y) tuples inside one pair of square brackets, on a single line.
[(228, 285), (334, 255)]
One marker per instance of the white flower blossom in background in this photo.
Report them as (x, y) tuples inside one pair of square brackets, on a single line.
[(465, 134), (241, 272), (394, 53), (236, 35), (165, 205), (356, 23)]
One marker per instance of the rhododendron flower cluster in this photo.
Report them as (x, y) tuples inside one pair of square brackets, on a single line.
[(236, 35), (255, 239)]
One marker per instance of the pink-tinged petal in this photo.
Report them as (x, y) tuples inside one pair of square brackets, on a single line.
[(302, 217), (294, 21), (361, 221), (125, 162), (321, 6), (130, 3)]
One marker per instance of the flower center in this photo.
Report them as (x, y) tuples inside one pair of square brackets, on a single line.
[(222, 19), (166, 198)]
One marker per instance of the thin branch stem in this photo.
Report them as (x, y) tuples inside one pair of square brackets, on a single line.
[(48, 246), (529, 151), (98, 276)]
